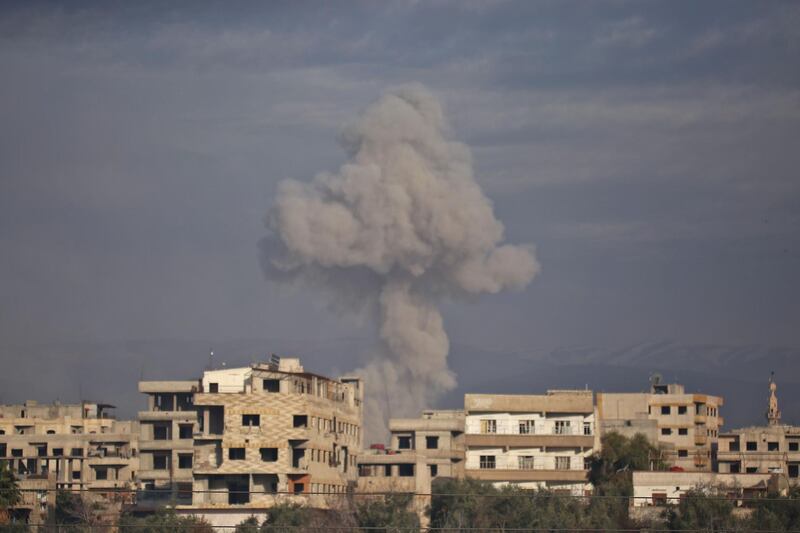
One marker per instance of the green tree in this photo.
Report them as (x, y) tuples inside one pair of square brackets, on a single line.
[(702, 509), (249, 525), (777, 513), (10, 494), (388, 514), (287, 518), (165, 521)]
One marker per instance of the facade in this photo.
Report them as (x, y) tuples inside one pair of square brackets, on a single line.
[(686, 426), (81, 446), (249, 436), (534, 441), (770, 449), (662, 488)]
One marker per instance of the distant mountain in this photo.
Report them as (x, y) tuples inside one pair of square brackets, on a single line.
[(110, 371)]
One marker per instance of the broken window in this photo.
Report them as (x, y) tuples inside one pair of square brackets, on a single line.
[(251, 420), (184, 460), (405, 470), (269, 455), (271, 385), (432, 443), (300, 421), (185, 431), (236, 454), (487, 461)]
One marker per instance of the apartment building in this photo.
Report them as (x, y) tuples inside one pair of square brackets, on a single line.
[(245, 436), (686, 426), (82, 445), (533, 441), (770, 449), (166, 441), (661, 488)]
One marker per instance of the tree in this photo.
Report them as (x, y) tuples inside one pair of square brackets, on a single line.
[(10, 494), (703, 509), (165, 521), (249, 525), (389, 514), (776, 513)]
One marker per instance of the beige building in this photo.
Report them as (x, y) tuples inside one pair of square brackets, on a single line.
[(83, 446), (662, 488), (686, 426), (249, 436), (770, 449), (533, 441)]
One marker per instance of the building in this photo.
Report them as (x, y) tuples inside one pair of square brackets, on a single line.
[(250, 436), (534, 441), (421, 450), (82, 445), (662, 488), (686, 426), (770, 449), (77, 447)]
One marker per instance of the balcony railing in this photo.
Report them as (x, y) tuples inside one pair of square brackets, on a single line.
[(527, 463), (515, 428)]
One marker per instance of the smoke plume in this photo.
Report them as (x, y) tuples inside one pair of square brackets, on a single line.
[(399, 227)]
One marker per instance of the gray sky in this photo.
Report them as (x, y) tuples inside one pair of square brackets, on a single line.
[(649, 150)]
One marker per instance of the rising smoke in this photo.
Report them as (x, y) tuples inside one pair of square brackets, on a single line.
[(399, 227)]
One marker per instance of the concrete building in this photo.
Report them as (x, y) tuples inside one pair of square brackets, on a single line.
[(686, 426), (534, 441), (251, 436), (83, 446), (420, 451), (770, 449), (662, 488)]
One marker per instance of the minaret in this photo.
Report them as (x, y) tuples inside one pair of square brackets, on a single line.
[(774, 414)]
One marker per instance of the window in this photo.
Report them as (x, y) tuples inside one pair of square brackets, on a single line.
[(562, 462), (432, 443), (752, 470), (793, 470), (76, 452), (735, 468), (58, 452), (16, 452), (683, 431), (51, 431), (659, 498), (525, 462), (251, 420), (752, 446), (666, 431), (101, 474), (185, 431), (76, 474), (300, 421), (488, 425), (665, 410), (681, 409), (733, 446), (269, 455), (404, 442), (405, 470), (236, 454), (3, 449), (526, 427), (271, 385), (213, 387), (683, 453), (160, 432), (160, 461), (772, 447), (184, 460), (794, 446), (587, 428), (299, 488), (562, 427), (41, 450), (487, 461)]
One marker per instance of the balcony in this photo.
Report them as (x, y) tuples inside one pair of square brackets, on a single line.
[(700, 440), (157, 416), (531, 439)]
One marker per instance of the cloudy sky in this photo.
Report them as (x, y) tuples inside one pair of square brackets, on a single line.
[(650, 151)]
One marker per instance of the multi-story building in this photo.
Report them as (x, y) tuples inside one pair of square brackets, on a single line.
[(421, 450), (773, 449), (244, 436), (686, 426), (166, 441), (83, 446), (71, 447), (533, 441)]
